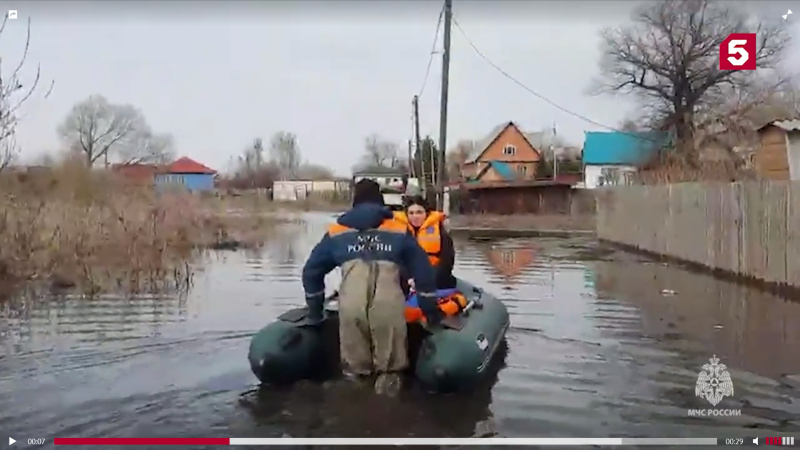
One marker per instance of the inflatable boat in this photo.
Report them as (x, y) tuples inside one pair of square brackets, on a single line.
[(451, 356)]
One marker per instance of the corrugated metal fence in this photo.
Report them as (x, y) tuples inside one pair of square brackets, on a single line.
[(751, 229)]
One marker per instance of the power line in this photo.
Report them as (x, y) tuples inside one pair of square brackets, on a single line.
[(531, 91), (433, 52)]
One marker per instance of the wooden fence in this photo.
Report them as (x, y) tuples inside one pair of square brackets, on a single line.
[(750, 229)]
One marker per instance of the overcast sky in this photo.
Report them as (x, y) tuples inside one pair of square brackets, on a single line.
[(217, 74)]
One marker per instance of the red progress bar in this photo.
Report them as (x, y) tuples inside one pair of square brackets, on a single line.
[(141, 441)]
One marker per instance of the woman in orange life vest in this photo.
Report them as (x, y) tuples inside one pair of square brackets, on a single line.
[(428, 227)]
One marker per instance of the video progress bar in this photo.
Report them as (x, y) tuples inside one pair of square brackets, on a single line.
[(391, 441)]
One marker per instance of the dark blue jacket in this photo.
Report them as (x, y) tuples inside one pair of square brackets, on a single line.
[(359, 234)]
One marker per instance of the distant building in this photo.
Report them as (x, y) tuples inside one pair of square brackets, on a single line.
[(293, 190), (611, 158), (507, 154), (137, 174), (778, 157), (384, 176), (188, 174)]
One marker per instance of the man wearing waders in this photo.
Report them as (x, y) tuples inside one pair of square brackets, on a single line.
[(371, 248)]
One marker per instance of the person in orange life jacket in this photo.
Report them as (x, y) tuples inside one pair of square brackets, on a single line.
[(428, 228), (371, 248)]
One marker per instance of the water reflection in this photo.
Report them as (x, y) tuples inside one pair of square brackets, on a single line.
[(750, 329), (511, 260), (29, 325), (594, 349)]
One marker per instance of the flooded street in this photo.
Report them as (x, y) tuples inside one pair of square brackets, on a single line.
[(601, 344)]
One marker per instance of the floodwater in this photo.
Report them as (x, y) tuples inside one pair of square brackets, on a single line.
[(601, 344)]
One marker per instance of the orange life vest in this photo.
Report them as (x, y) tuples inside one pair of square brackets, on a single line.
[(429, 236), (402, 217), (390, 225), (450, 306)]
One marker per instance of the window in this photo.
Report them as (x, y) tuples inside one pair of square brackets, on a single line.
[(609, 176), (172, 178), (509, 257), (614, 176), (523, 170), (509, 150)]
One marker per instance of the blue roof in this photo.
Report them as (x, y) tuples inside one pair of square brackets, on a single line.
[(616, 147), (503, 169)]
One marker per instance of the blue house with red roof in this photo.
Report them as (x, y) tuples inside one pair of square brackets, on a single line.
[(188, 174)]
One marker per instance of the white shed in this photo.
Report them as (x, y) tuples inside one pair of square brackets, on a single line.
[(291, 190)]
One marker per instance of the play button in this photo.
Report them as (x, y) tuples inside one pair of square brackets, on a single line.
[(11, 441)]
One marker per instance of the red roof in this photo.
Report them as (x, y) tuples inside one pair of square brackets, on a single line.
[(188, 165)]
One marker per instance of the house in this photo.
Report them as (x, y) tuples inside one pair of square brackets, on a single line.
[(136, 174), (778, 157), (293, 190), (188, 174), (385, 176), (505, 155), (612, 157)]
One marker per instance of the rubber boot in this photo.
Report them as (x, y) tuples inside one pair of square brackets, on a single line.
[(388, 384)]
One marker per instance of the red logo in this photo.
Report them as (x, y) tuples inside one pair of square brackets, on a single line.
[(738, 52)]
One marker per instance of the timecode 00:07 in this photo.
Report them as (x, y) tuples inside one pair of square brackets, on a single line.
[(36, 441)]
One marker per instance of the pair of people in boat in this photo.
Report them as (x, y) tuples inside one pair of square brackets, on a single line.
[(376, 250)]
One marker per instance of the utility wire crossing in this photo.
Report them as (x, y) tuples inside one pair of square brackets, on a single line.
[(433, 52), (533, 92)]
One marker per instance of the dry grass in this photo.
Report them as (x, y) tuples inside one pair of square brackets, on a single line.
[(672, 169), (71, 227)]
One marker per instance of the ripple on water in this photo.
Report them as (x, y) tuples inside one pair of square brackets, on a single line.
[(594, 349)]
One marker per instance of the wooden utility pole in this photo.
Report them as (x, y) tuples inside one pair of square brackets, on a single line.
[(421, 178), (417, 139), (410, 168), (442, 178), (555, 156)]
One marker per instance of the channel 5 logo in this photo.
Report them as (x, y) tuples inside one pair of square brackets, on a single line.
[(738, 52)]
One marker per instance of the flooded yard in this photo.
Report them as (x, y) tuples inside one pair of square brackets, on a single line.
[(601, 344)]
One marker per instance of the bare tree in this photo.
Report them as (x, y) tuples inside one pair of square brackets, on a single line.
[(144, 146), (630, 125), (669, 58), (311, 171), (97, 129), (766, 99), (257, 152), (249, 170), (285, 153), (729, 117), (380, 153), (13, 94), (463, 151)]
